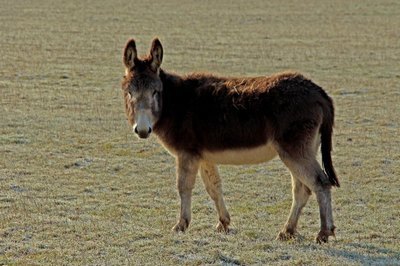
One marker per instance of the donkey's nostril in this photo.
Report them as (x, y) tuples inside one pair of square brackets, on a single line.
[(136, 130), (149, 130)]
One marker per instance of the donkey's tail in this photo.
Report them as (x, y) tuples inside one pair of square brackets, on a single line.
[(326, 140)]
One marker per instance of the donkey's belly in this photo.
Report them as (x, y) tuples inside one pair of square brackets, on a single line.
[(241, 156)]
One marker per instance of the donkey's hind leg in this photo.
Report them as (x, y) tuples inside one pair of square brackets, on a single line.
[(301, 193), (310, 174), (212, 182)]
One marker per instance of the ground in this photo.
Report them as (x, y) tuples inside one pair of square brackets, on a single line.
[(77, 188)]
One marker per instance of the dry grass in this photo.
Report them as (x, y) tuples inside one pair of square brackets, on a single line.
[(77, 188)]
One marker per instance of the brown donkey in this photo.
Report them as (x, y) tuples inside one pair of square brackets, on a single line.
[(204, 120)]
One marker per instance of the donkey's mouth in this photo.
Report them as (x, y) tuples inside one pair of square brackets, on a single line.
[(143, 134)]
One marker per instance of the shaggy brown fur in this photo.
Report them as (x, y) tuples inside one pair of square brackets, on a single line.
[(201, 114)]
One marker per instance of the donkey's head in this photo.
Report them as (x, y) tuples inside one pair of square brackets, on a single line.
[(142, 87)]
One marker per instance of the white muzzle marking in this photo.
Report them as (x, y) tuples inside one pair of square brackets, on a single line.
[(143, 125)]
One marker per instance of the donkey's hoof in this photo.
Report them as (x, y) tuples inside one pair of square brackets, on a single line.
[(223, 227), (323, 235), (321, 238), (286, 235), (181, 226)]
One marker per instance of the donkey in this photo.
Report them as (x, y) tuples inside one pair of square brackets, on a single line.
[(204, 120)]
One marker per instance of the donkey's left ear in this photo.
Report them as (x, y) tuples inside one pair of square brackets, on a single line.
[(156, 53)]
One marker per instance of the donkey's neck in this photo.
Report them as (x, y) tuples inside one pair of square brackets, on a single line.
[(170, 80)]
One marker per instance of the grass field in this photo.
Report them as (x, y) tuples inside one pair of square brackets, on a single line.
[(77, 188)]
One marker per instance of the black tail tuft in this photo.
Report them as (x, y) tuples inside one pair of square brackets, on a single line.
[(326, 142)]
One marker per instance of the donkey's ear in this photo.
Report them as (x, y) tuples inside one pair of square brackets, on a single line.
[(130, 54), (156, 53)]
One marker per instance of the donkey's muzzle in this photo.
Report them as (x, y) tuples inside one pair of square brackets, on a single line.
[(143, 133)]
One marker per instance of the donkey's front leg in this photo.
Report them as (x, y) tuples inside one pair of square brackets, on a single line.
[(212, 182), (187, 168)]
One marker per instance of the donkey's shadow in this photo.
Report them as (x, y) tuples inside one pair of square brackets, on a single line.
[(371, 254)]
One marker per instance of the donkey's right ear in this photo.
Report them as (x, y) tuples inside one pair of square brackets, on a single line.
[(130, 54)]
